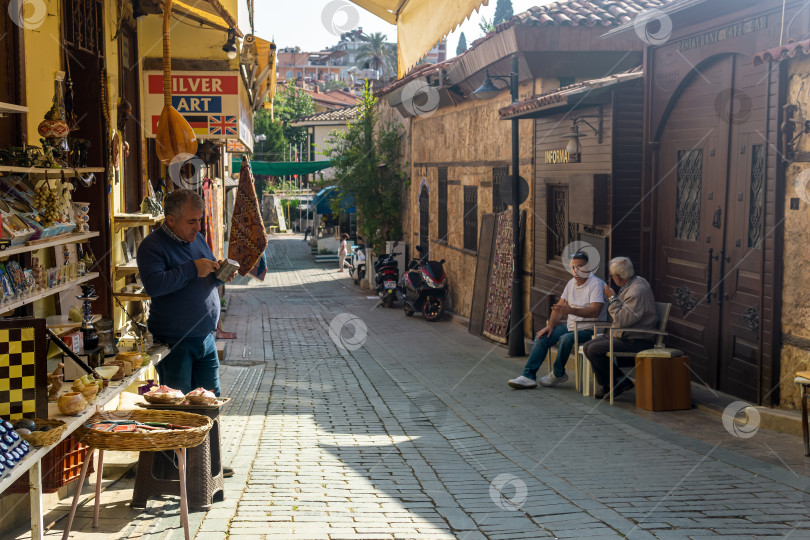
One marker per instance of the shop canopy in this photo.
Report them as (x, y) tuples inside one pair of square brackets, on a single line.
[(322, 202), (421, 24), (282, 168)]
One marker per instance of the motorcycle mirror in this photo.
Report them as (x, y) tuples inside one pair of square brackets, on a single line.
[(419, 249), (441, 261), (396, 243)]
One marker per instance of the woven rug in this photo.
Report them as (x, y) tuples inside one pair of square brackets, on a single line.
[(248, 238), (499, 302)]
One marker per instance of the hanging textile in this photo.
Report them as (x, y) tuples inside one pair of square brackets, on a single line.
[(208, 214), (248, 238)]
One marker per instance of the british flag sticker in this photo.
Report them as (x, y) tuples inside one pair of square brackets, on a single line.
[(222, 125)]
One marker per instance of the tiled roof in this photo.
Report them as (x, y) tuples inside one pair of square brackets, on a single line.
[(783, 52), (590, 13), (560, 96), (579, 13), (338, 115), (419, 71)]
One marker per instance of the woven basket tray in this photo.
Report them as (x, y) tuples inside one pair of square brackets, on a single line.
[(153, 441), (46, 438)]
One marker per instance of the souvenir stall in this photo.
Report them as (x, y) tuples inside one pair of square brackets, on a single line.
[(75, 199)]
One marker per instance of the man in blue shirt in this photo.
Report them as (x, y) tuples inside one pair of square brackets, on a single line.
[(177, 270)]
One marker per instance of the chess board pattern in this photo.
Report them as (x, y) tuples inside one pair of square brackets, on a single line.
[(23, 371)]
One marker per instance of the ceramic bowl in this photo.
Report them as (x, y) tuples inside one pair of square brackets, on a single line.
[(131, 356), (71, 403), (118, 375)]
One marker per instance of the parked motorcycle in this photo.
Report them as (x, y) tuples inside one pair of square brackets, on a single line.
[(386, 277), (423, 287), (357, 270)]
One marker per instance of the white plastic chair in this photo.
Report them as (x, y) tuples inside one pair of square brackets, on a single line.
[(662, 309)]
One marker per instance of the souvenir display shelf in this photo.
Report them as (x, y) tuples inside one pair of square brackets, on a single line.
[(69, 172), (31, 462), (72, 238), (126, 269), (27, 299), (125, 221), (6, 108)]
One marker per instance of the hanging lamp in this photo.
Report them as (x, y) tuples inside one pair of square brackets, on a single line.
[(174, 135)]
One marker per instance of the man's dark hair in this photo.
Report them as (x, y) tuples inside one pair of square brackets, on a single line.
[(580, 256), (176, 200)]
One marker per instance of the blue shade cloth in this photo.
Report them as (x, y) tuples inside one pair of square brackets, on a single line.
[(323, 200)]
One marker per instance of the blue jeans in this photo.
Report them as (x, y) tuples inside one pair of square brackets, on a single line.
[(192, 363), (564, 341)]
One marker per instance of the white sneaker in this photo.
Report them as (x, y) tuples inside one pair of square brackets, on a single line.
[(522, 383), (553, 380)]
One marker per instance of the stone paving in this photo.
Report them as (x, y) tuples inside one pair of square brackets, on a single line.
[(357, 422)]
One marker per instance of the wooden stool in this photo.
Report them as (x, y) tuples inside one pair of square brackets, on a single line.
[(803, 380), (663, 380)]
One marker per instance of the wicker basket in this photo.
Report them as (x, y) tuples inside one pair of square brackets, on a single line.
[(46, 438), (152, 441)]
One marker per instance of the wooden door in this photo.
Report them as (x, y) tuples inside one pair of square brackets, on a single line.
[(740, 291), (711, 177)]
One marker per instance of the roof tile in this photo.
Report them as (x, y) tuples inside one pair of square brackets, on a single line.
[(783, 52)]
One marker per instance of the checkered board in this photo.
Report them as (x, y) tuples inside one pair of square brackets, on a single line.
[(23, 370)]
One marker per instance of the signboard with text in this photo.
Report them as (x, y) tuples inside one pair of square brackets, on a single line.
[(209, 100)]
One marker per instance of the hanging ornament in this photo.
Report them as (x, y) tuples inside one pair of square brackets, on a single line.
[(175, 138)]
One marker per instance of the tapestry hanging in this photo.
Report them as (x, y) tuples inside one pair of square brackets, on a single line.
[(248, 239)]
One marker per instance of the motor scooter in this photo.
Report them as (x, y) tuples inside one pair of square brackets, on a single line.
[(386, 277), (423, 287), (357, 270)]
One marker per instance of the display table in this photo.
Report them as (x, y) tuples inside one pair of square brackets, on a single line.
[(31, 462)]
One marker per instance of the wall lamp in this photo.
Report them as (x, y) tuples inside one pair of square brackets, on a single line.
[(230, 45), (574, 148), (790, 136)]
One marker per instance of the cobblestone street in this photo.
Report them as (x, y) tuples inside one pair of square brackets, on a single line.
[(409, 430)]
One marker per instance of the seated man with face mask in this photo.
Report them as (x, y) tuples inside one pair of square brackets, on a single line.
[(582, 298)]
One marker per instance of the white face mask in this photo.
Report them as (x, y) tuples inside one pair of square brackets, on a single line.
[(581, 272)]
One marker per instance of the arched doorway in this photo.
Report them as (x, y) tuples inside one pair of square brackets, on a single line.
[(710, 221)]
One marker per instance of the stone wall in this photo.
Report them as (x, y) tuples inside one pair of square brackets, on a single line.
[(470, 139), (796, 279)]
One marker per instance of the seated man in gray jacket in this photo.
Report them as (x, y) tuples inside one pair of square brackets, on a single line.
[(633, 307)]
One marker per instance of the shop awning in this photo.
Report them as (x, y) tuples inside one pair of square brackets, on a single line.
[(281, 168), (421, 24), (210, 13), (258, 64), (322, 202)]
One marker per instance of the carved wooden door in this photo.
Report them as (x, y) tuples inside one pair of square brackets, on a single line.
[(710, 180)]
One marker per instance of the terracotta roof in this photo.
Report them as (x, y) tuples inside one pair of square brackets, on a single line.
[(783, 52), (588, 13), (338, 115), (330, 98), (419, 71), (561, 95), (579, 13)]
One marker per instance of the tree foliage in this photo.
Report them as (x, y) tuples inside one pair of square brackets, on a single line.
[(462, 44), (274, 147), (290, 105), (367, 164), (486, 26), (503, 11), (380, 55)]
